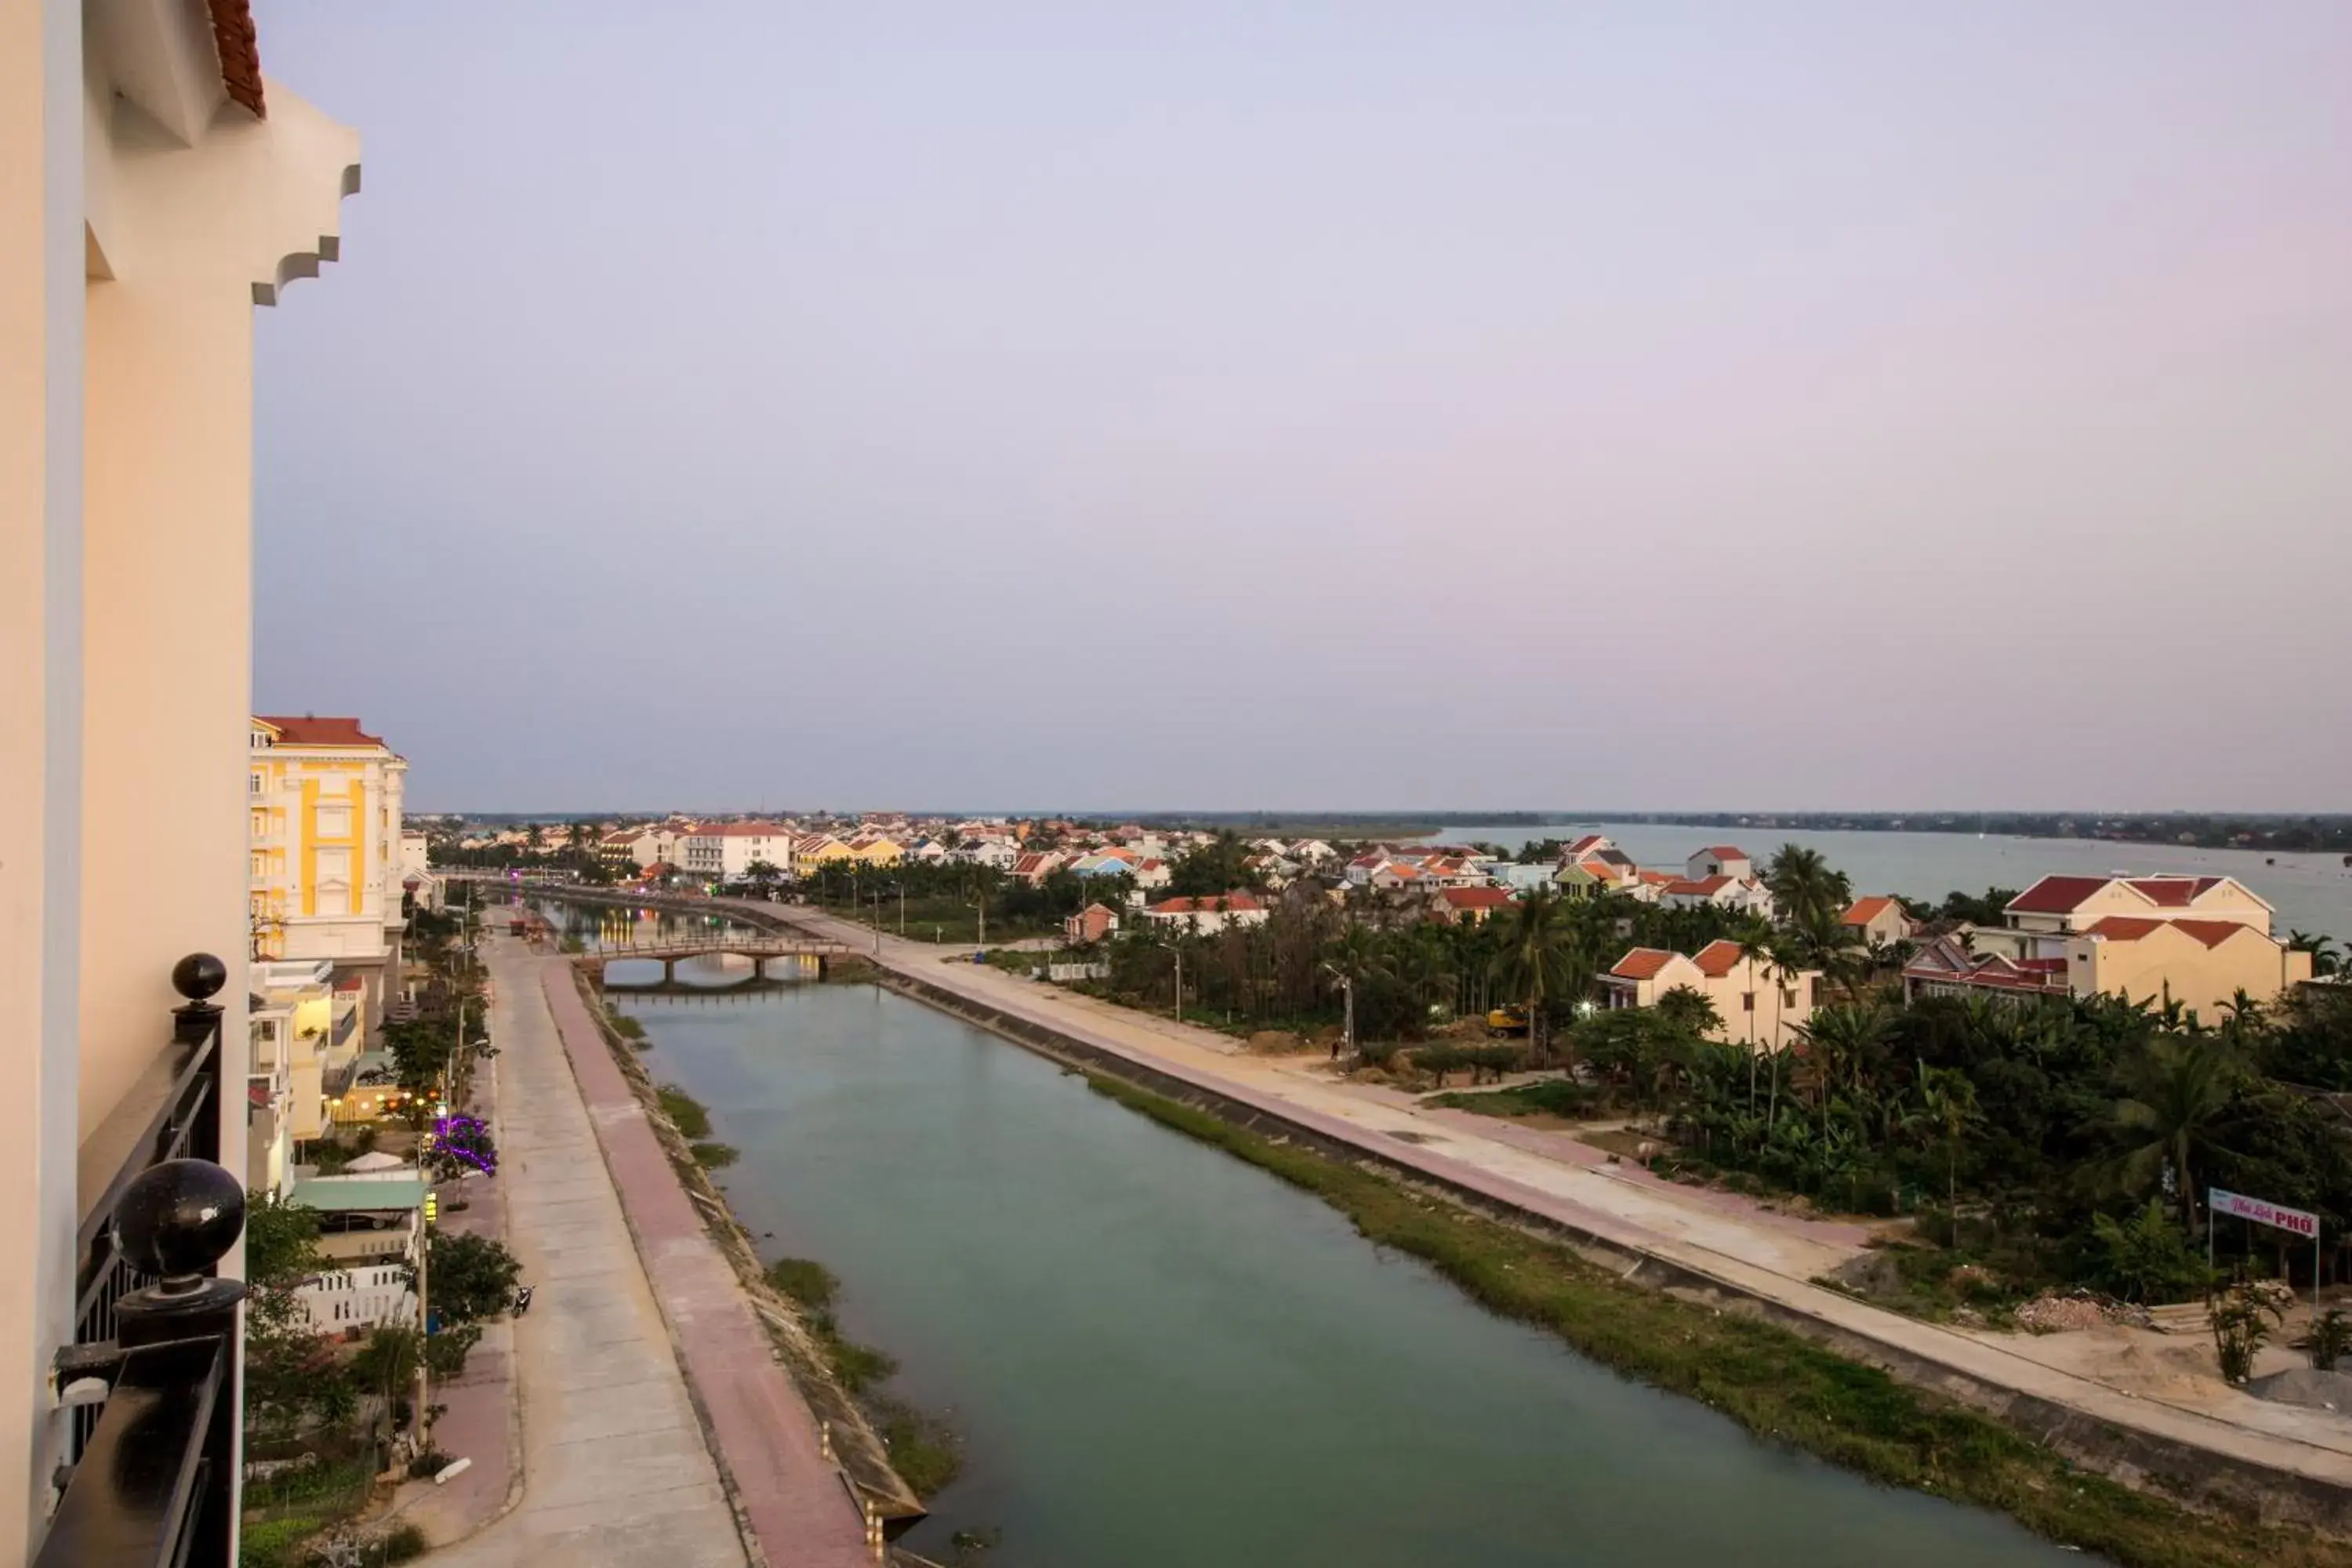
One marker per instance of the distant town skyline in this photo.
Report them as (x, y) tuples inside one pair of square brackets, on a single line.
[(1821, 403)]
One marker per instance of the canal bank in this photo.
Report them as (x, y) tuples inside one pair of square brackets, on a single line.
[(1160, 1358), (2294, 1471)]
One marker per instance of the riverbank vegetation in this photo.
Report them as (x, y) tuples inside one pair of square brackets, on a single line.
[(1771, 1381), (2288, 831), (2028, 1135)]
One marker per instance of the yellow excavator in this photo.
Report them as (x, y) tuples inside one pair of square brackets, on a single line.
[(1507, 1020)]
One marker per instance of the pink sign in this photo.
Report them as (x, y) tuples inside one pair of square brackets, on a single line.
[(2292, 1220)]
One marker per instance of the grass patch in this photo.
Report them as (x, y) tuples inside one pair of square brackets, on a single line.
[(686, 1113), (627, 1027), (714, 1156), (1544, 1097), (805, 1280), (923, 1448), (1771, 1381)]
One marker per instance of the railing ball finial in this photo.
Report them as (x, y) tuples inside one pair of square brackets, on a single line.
[(176, 1220), (199, 976)]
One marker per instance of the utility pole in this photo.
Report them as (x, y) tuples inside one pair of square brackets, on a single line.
[(1180, 985)]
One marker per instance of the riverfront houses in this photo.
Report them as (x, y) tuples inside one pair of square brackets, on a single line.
[(2199, 941), (1757, 1002)]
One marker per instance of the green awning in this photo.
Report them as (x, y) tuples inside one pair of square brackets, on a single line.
[(328, 1196)]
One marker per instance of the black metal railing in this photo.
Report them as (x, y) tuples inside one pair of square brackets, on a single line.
[(150, 1468)]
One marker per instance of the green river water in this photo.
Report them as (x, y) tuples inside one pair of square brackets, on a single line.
[(1161, 1357)]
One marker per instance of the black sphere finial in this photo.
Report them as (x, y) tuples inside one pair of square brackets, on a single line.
[(198, 976), (178, 1219)]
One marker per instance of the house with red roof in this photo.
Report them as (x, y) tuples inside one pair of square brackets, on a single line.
[(2196, 940), (1212, 913), (1090, 924), (1468, 906), (1718, 860), (1757, 1002), (1879, 921)]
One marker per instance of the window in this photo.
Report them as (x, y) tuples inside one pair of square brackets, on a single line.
[(1788, 997), (253, 784), (1748, 1001)]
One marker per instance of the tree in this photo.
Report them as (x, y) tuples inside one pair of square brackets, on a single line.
[(1539, 959), (762, 876), (2326, 958), (2175, 1090), (1220, 865), (1804, 887), (469, 1277), (1846, 1040), (1947, 1109), (1692, 1012)]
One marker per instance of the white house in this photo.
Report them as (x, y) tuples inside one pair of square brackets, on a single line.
[(726, 852), (1718, 860)]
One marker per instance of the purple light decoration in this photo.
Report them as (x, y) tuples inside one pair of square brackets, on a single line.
[(455, 1136)]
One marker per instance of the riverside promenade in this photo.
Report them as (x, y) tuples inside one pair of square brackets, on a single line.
[(1768, 1258), (657, 1429)]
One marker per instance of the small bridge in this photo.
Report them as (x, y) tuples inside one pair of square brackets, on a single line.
[(759, 948)]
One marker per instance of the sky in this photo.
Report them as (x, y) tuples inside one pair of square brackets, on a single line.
[(768, 405)]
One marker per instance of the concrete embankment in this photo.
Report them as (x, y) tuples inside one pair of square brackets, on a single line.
[(2198, 1476)]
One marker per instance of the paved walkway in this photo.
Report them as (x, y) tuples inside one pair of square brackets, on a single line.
[(1774, 1261), (792, 1496), (616, 1471)]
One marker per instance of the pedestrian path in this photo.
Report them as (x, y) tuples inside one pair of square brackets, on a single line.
[(616, 1471)]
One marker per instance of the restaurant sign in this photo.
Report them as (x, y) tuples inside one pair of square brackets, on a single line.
[(2294, 1221)]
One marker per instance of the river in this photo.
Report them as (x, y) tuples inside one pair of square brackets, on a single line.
[(2310, 892), (1161, 1357)]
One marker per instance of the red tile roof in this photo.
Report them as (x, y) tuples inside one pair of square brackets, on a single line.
[(2056, 895), (311, 729), (1577, 849), (1641, 963), (1865, 910), (1234, 903), (1475, 898), (2173, 892), (1726, 852), (2213, 933), (1706, 888), (1717, 958), (2122, 927)]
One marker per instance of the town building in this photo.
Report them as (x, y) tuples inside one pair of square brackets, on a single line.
[(1092, 923), (726, 852), (323, 807), (2195, 941), (154, 191), (1718, 889), (1208, 915), (1468, 906), (1758, 1003), (1879, 921)]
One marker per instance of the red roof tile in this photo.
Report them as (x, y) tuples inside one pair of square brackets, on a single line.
[(2174, 893), (2056, 895), (311, 729), (1641, 963), (1475, 898), (1865, 910), (1717, 958), (2122, 927), (1234, 903), (1726, 852), (2213, 933)]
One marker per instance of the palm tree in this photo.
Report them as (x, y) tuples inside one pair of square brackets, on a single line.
[(2325, 958), (2177, 1090), (1844, 1039), (1804, 886), (1948, 1107), (1539, 958)]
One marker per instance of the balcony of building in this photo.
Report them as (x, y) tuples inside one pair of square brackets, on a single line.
[(148, 1380)]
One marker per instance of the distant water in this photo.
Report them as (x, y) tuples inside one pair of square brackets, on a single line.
[(2311, 892)]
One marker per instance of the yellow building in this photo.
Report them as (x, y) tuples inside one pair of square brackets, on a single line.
[(876, 851), (818, 849), (2195, 941), (322, 804), (1758, 1003), (154, 189)]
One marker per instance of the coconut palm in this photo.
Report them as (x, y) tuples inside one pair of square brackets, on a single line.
[(1804, 886), (1540, 960), (2326, 958), (1947, 1109), (2177, 1091), (1845, 1040)]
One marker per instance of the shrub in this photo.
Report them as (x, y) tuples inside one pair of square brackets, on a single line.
[(686, 1113), (429, 1462), (2239, 1329), (805, 1280), (713, 1156), (469, 1277), (405, 1544), (2328, 1340), (2145, 1257), (1440, 1060)]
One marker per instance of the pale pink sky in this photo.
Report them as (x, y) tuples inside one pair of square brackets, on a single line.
[(1342, 405)]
